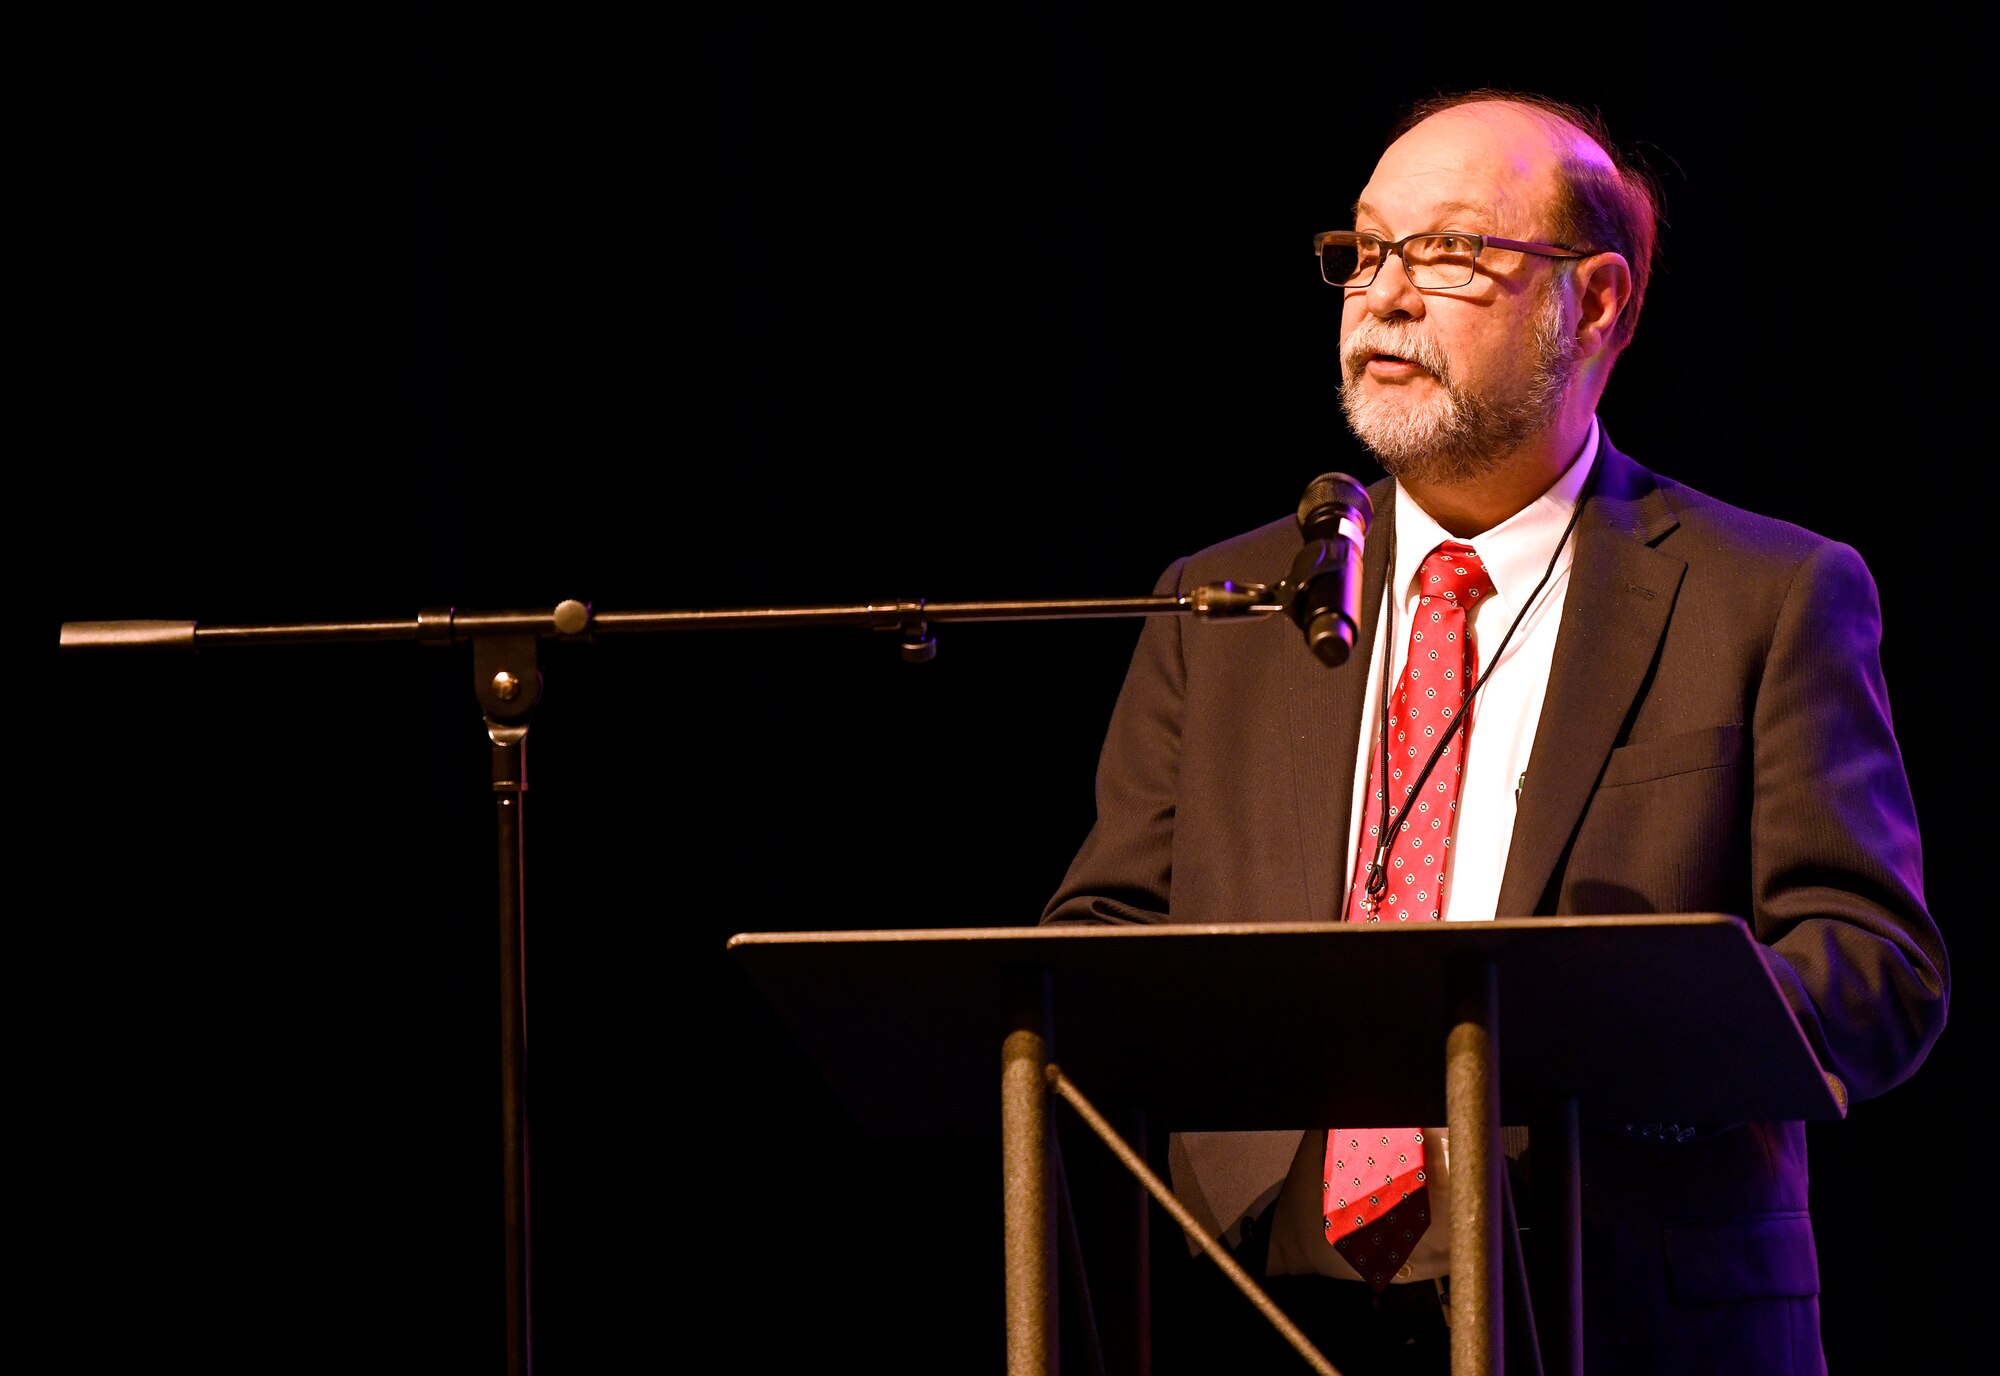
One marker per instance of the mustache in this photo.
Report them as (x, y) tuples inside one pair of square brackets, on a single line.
[(1400, 341)]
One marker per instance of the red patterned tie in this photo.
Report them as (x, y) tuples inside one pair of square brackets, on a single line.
[(1377, 1203)]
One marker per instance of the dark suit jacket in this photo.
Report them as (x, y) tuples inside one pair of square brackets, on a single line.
[(1716, 738)]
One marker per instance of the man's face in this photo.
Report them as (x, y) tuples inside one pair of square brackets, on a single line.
[(1444, 385)]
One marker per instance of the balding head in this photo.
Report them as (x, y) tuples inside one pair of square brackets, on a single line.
[(1601, 198)]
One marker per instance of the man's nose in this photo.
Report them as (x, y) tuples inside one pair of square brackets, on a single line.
[(1392, 293)]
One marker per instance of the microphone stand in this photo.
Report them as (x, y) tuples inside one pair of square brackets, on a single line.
[(507, 681)]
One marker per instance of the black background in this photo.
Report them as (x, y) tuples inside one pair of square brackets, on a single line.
[(345, 314)]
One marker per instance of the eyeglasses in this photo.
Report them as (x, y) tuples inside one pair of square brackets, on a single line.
[(1434, 262)]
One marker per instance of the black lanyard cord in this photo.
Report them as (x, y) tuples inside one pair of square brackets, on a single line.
[(1378, 868)]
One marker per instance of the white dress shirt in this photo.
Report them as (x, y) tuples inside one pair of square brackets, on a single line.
[(1513, 680)]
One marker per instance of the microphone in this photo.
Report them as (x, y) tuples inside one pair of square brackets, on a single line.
[(1323, 590)]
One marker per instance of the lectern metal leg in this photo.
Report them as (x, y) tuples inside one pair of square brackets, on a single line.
[(1559, 1200), (1073, 1295), (1029, 1199), (1140, 1281), (1472, 1114)]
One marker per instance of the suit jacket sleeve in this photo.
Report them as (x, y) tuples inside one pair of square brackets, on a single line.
[(1123, 871), (1836, 863)]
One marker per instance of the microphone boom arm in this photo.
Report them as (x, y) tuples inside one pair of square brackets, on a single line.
[(573, 620)]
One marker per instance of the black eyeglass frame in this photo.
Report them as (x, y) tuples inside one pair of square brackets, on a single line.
[(1481, 243)]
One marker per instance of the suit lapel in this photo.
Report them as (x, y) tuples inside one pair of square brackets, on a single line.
[(1326, 727), (1621, 593)]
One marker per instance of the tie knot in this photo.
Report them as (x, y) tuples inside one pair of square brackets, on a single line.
[(1452, 571)]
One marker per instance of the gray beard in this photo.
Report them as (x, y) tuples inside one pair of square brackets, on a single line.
[(1460, 435)]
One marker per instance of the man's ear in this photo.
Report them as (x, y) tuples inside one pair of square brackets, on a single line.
[(1603, 292)]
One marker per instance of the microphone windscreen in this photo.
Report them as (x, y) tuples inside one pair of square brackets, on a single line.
[(1327, 499)]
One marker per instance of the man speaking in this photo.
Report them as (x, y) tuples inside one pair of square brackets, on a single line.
[(1577, 687)]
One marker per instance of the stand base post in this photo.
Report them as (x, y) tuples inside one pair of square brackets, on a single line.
[(509, 787), (508, 684)]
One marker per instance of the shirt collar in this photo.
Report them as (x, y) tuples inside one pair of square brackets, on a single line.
[(1517, 550)]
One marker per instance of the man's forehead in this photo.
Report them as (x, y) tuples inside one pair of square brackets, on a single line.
[(1469, 212)]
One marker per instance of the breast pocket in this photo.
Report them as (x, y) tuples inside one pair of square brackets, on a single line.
[(1685, 752), (1664, 830)]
